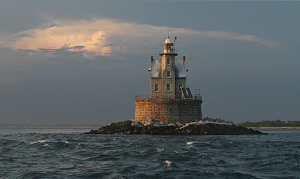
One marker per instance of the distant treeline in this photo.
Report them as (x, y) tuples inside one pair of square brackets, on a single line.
[(276, 123)]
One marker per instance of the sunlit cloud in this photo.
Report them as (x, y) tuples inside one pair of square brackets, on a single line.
[(106, 37)]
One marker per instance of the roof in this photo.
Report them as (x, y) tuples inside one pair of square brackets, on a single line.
[(156, 69), (168, 40)]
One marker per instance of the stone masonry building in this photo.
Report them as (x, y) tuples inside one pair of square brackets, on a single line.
[(170, 100)]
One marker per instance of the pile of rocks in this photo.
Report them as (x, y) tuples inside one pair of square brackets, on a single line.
[(154, 128)]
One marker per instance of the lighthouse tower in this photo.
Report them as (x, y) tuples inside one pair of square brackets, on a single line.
[(170, 100), (168, 76)]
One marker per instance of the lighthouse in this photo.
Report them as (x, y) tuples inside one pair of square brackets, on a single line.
[(170, 100), (167, 75)]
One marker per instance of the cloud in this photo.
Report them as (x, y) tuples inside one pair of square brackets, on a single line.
[(238, 37), (106, 37)]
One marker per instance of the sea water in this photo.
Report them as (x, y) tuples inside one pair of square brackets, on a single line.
[(65, 152)]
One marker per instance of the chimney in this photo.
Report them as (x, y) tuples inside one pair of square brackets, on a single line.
[(183, 60), (151, 58)]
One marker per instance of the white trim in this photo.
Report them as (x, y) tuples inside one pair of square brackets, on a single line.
[(169, 74), (155, 88), (168, 84)]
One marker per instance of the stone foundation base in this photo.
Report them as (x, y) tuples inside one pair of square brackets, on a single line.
[(171, 111)]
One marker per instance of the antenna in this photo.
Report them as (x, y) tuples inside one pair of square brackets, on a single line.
[(174, 44), (168, 32)]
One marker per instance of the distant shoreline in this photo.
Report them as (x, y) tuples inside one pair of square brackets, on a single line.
[(275, 127), (277, 124)]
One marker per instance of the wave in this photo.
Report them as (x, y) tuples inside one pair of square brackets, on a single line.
[(47, 155)]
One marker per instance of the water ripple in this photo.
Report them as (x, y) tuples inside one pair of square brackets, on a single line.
[(74, 155)]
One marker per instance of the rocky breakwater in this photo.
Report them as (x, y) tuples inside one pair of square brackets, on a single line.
[(154, 128)]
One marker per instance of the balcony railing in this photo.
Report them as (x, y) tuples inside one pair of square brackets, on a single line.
[(160, 98), (141, 97), (169, 51)]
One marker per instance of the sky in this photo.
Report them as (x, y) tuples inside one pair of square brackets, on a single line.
[(83, 62)]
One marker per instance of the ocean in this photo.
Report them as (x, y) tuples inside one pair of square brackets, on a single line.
[(65, 152)]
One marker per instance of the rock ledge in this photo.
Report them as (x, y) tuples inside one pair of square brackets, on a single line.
[(193, 128)]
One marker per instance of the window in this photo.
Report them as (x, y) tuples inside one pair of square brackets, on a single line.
[(179, 88), (156, 88), (168, 87), (168, 74), (168, 61)]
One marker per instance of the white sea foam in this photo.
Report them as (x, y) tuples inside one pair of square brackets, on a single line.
[(169, 163), (160, 149), (40, 141), (189, 143)]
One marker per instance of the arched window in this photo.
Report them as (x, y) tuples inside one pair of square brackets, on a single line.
[(168, 61)]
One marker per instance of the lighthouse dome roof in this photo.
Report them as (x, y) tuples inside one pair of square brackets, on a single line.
[(168, 40)]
